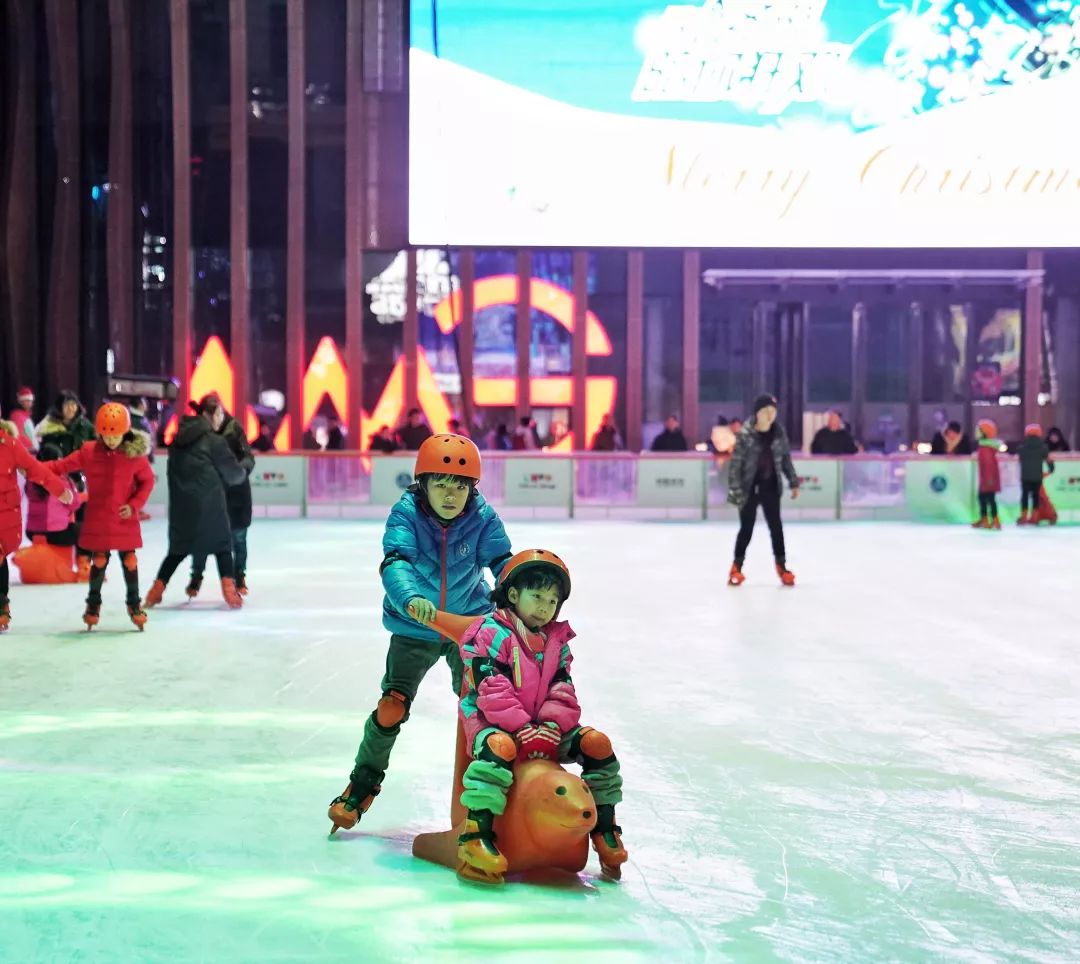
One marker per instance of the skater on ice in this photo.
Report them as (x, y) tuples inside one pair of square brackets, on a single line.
[(1035, 465), (200, 468), (237, 498), (989, 475), (119, 480), (761, 459), (519, 703), (15, 457), (440, 537)]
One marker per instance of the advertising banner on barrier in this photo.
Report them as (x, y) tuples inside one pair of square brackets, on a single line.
[(1063, 485), (941, 490), (541, 483), (390, 476), (279, 480), (819, 484), (671, 483)]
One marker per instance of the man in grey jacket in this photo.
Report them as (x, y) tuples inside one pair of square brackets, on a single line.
[(762, 455)]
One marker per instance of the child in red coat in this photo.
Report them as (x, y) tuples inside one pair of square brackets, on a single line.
[(989, 475), (119, 480), (14, 456)]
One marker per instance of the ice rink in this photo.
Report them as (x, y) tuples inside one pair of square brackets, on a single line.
[(881, 764)]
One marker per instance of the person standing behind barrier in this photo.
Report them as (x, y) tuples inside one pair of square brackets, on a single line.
[(1056, 441), (607, 437), (414, 432), (237, 497), (762, 455), (834, 438), (200, 468), (671, 439), (951, 441), (23, 418)]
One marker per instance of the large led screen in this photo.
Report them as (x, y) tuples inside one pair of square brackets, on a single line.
[(766, 123)]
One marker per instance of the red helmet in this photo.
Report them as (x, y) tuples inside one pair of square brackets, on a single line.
[(448, 455), (537, 559), (988, 428), (112, 419)]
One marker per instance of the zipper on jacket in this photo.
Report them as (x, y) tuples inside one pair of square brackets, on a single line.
[(442, 563)]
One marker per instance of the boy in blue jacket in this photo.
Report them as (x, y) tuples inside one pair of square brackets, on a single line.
[(439, 538)]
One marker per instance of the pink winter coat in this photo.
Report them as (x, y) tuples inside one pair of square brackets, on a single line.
[(509, 686)]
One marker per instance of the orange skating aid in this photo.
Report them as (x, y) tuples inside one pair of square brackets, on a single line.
[(230, 595)]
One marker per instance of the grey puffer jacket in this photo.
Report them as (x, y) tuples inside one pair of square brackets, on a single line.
[(745, 458)]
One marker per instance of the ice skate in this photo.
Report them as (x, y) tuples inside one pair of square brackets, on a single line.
[(230, 595), (996, 524), (138, 616), (347, 808), (5, 614), (479, 859), (154, 596), (1025, 518), (787, 577), (92, 616), (981, 524), (607, 842), (194, 586), (735, 576), (241, 584)]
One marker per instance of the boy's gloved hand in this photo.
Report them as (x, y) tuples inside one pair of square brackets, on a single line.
[(422, 610), (538, 742)]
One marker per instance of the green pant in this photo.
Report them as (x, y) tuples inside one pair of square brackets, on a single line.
[(407, 663), (487, 784)]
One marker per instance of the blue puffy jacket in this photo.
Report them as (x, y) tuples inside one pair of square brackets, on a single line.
[(443, 564)]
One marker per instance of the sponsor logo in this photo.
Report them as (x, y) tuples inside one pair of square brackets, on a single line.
[(939, 484), (670, 483), (537, 482), (403, 480)]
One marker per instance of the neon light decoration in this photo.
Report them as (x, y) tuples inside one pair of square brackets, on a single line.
[(327, 376)]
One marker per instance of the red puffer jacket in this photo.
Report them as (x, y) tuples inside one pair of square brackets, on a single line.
[(114, 478), (13, 456), (989, 474)]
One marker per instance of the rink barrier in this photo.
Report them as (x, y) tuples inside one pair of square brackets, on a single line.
[(620, 485)]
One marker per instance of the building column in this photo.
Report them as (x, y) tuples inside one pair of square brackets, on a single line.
[(1033, 332), (355, 221), (119, 225), (181, 240), (523, 334), (295, 346), (579, 360), (635, 349), (239, 268), (691, 387)]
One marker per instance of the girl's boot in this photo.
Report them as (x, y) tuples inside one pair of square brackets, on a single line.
[(735, 576), (607, 842), (5, 614), (787, 577), (479, 858)]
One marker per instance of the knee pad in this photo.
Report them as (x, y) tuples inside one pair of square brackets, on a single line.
[(595, 745), (498, 748), (392, 709), (131, 562), (101, 560)]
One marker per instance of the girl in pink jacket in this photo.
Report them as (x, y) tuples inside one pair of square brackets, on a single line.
[(518, 703)]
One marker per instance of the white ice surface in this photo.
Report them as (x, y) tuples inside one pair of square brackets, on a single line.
[(882, 764)]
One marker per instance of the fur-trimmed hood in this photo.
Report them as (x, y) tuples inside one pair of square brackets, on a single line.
[(135, 444)]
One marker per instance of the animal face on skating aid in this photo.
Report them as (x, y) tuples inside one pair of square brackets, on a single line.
[(560, 805)]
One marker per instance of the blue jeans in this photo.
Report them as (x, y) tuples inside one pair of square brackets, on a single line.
[(239, 552)]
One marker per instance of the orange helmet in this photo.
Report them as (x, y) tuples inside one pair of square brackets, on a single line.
[(112, 419), (448, 455), (1033, 429), (537, 559), (987, 427)]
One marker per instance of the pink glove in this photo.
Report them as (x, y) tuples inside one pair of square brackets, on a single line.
[(538, 742)]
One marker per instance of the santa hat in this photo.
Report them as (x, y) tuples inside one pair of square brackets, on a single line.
[(24, 392)]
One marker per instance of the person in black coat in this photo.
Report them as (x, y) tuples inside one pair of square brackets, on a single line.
[(200, 469), (237, 497), (834, 438), (672, 438), (953, 440)]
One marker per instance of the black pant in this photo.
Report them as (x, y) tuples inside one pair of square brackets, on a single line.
[(131, 577), (5, 579), (172, 563), (767, 495), (1029, 495), (239, 551), (988, 505)]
